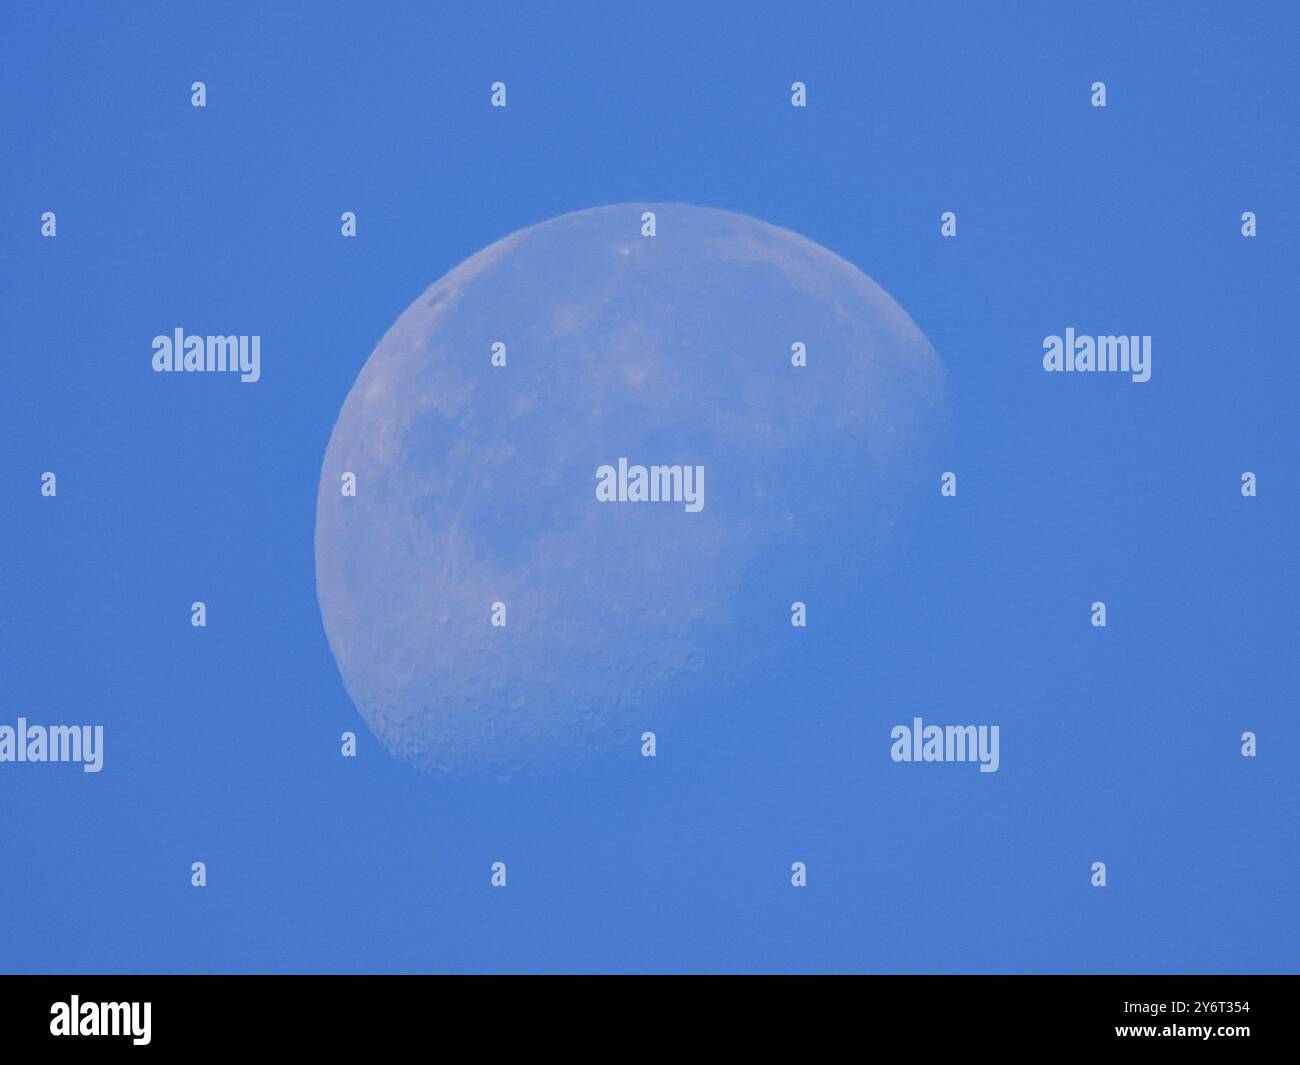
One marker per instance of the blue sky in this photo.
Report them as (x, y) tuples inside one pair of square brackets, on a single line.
[(1119, 745)]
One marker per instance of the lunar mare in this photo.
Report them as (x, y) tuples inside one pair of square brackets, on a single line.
[(474, 481)]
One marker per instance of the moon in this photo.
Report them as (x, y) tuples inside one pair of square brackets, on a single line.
[(487, 611)]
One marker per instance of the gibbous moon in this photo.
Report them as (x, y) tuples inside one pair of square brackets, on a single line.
[(476, 484)]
